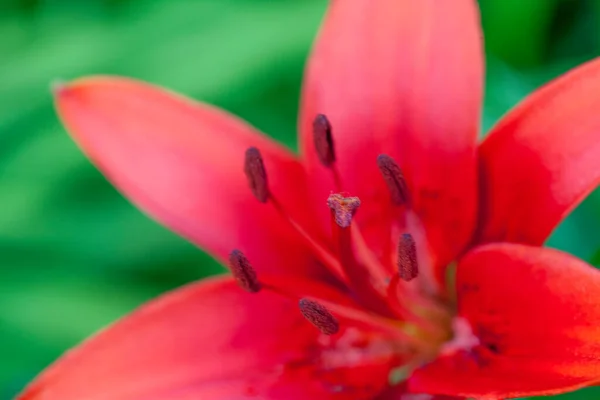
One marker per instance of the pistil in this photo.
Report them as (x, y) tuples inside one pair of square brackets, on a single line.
[(363, 277)]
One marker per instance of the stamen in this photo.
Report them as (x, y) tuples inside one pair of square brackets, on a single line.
[(256, 173), (343, 208), (319, 316), (325, 148), (394, 179), (408, 268), (323, 140), (243, 272), (395, 329)]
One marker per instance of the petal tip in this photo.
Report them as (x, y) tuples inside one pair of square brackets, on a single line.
[(57, 87)]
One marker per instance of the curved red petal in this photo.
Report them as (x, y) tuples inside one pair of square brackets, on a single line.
[(183, 163), (536, 315), (542, 159), (402, 78), (210, 340)]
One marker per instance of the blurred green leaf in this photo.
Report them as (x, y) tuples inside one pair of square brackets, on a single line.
[(516, 30), (583, 394), (575, 32), (578, 234), (504, 87)]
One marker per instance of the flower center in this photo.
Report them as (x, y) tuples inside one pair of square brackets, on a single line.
[(400, 299)]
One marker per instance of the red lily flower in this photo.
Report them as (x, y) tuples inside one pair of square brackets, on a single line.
[(422, 273)]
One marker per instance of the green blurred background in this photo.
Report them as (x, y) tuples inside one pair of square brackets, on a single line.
[(74, 254)]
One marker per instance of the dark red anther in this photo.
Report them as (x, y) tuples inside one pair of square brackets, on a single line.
[(319, 316), (256, 173), (323, 140), (394, 179), (243, 272), (408, 268), (343, 208)]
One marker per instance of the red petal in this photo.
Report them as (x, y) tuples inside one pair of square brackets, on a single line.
[(401, 392), (211, 340), (402, 78), (536, 314), (183, 163), (542, 159)]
